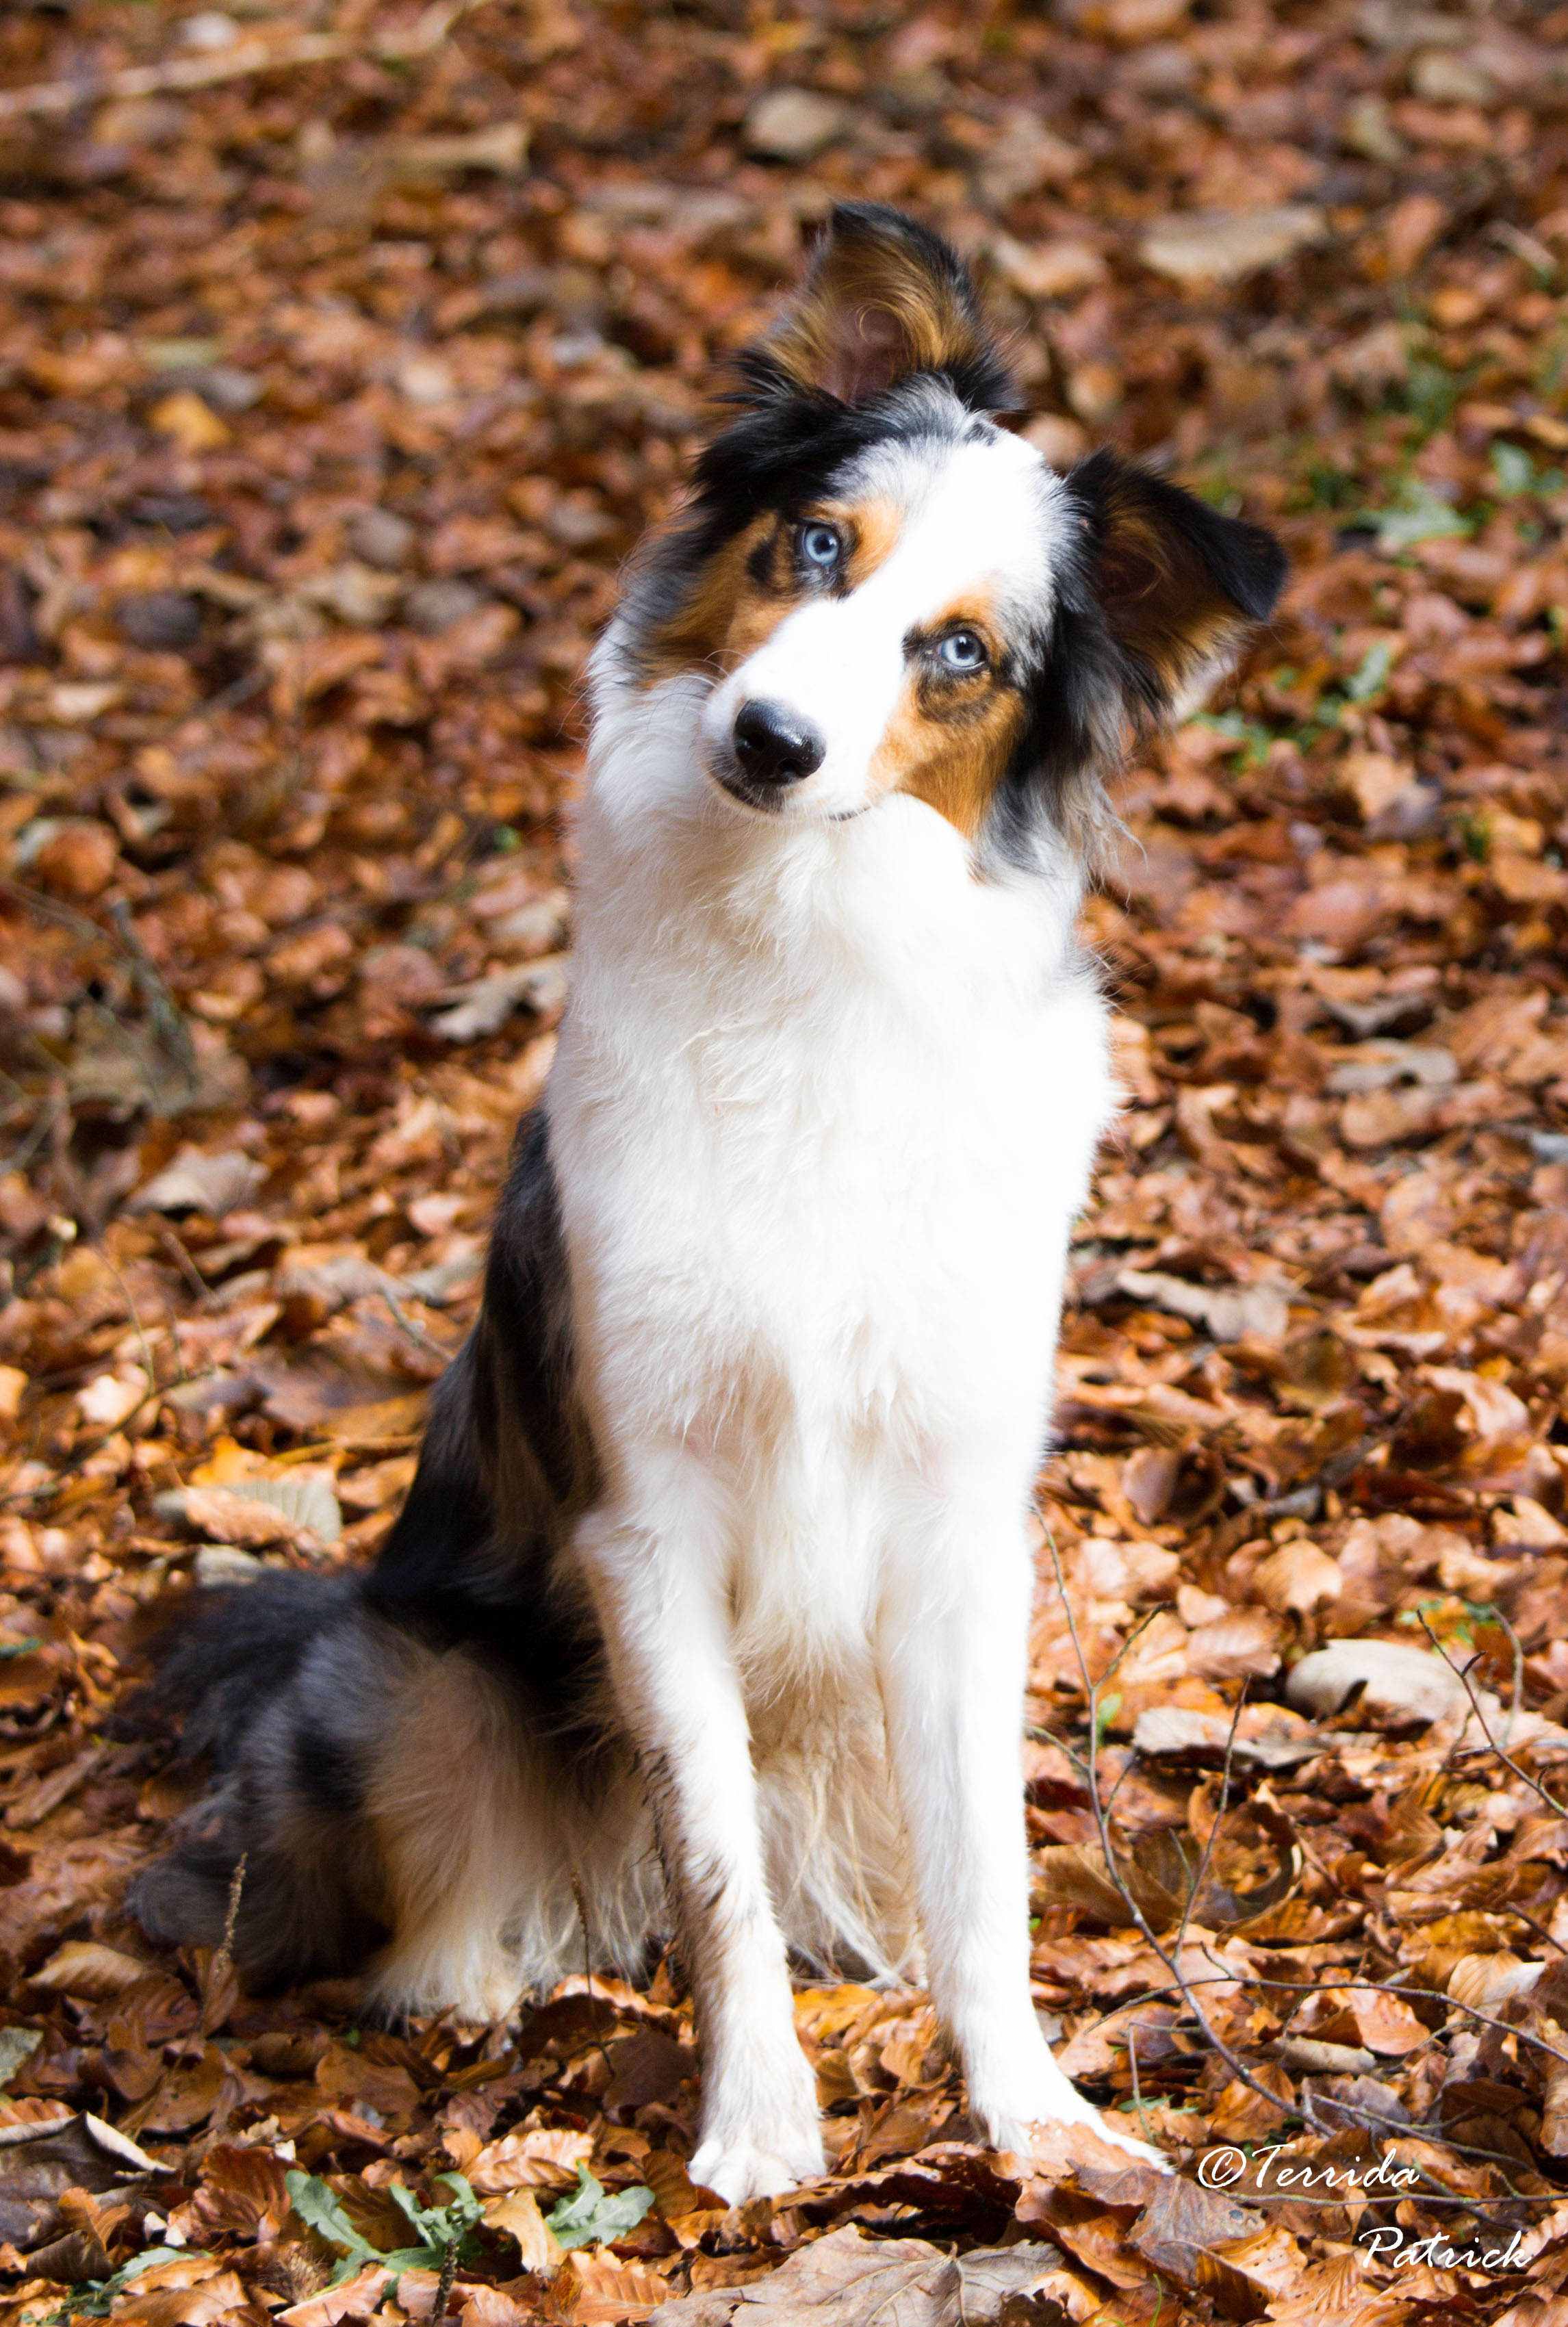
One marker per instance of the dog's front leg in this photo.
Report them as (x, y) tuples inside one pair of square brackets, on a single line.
[(666, 1630), (952, 1651)]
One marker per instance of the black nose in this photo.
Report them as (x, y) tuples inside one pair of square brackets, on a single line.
[(774, 745)]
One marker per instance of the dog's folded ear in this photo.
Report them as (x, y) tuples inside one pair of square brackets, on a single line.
[(884, 298), (1179, 587)]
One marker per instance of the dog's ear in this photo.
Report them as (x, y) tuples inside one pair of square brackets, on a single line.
[(1179, 587), (884, 297)]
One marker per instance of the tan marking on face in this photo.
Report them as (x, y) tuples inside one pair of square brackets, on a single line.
[(872, 529), (729, 614), (951, 737)]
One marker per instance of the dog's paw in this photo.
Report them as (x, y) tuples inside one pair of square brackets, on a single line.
[(1029, 2113), (1143, 2151), (741, 2169), (1044, 2130)]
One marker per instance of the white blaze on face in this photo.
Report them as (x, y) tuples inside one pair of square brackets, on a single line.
[(973, 543)]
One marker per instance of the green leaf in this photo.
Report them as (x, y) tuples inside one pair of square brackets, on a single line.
[(1513, 469), (315, 2205), (465, 2209), (1418, 516), (420, 2217), (590, 2217), (94, 2300), (1370, 675), (440, 2226), (1244, 735)]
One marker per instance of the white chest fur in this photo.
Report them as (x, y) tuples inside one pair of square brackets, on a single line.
[(824, 1109)]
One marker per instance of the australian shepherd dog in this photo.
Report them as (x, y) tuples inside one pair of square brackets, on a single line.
[(705, 1621)]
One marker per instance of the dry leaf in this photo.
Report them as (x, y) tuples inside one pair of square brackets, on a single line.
[(1226, 247)]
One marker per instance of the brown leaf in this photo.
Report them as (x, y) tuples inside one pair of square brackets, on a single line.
[(596, 2289), (85, 1968), (1298, 1577), (1243, 1641), (79, 860), (242, 2195), (518, 2214), (544, 2157), (1076, 1874)]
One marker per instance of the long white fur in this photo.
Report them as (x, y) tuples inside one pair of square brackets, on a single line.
[(824, 1109)]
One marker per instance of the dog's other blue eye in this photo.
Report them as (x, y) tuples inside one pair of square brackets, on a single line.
[(820, 545), (961, 650)]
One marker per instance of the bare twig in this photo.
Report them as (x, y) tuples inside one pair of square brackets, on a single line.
[(1517, 1647), (1196, 1885), (1504, 1756), (224, 1956), (411, 1326), (174, 1246), (1138, 2109), (41, 1128), (168, 1021), (439, 2308), (1540, 1929), (1184, 1984), (79, 1454), (1237, 2066), (148, 1360)]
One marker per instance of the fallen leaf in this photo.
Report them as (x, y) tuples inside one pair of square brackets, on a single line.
[(196, 1181), (1380, 1679), (1221, 247)]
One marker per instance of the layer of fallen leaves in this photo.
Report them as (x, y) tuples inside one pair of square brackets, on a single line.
[(345, 351)]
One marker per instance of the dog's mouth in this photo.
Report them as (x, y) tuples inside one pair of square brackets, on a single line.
[(771, 799), (756, 792)]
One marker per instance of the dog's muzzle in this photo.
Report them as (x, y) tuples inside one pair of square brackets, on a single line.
[(772, 748)]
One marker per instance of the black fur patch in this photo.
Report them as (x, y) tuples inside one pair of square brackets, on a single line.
[(223, 1656), (506, 1464), (1150, 582), (289, 1684), (326, 1774)]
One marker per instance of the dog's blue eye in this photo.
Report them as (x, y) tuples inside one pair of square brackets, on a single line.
[(820, 545), (962, 650)]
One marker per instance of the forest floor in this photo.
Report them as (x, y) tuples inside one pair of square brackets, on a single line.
[(344, 352)]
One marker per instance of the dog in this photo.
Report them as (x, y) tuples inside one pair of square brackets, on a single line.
[(705, 1620)]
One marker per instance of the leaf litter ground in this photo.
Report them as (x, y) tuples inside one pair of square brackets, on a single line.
[(346, 353)]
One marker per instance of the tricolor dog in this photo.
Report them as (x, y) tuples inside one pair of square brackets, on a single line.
[(710, 1600)]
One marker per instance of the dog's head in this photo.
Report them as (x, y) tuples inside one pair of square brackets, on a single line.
[(886, 592)]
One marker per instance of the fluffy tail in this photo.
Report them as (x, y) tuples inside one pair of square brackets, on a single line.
[(274, 1683), (227, 1651), (415, 1765)]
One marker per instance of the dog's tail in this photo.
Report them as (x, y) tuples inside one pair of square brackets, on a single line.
[(410, 1764), (226, 1653), (275, 1684)]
